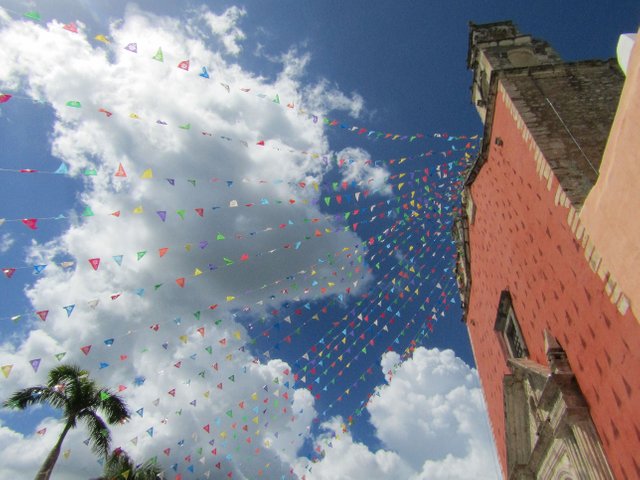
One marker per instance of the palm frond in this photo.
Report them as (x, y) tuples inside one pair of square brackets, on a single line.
[(29, 396), (99, 435), (112, 406)]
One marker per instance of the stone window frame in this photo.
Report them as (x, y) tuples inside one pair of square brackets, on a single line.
[(508, 328)]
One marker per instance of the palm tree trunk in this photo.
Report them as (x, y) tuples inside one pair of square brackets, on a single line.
[(52, 458)]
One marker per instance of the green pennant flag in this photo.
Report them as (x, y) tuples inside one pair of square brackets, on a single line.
[(209, 349), (73, 104), (158, 56), (87, 212), (197, 315), (181, 213), (230, 413), (90, 172), (227, 261), (220, 236), (33, 16), (104, 396), (60, 356), (157, 286)]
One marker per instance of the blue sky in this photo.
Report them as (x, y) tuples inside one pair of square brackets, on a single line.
[(387, 67)]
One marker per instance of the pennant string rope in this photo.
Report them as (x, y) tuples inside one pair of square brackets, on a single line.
[(431, 199), (32, 222), (273, 99)]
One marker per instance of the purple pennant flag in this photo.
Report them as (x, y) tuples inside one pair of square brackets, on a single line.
[(203, 244), (35, 363), (162, 214)]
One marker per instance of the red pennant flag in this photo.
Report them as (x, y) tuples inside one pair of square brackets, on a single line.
[(223, 341), (201, 331), (206, 428), (200, 211), (163, 251), (172, 392), (261, 143), (213, 307), (106, 112), (184, 65), (116, 214), (31, 223), (219, 386), (4, 97), (167, 451), (95, 263), (244, 257), (121, 388), (180, 282), (8, 272), (120, 172), (215, 366), (43, 314), (86, 349)]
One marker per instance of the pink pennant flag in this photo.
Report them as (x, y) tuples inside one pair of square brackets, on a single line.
[(184, 65), (201, 331), (31, 223), (71, 27), (5, 97), (172, 392), (42, 431), (43, 314), (95, 263), (86, 349)]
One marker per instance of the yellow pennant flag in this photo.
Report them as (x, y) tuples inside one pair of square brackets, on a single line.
[(101, 38), (138, 209), (147, 174), (197, 272)]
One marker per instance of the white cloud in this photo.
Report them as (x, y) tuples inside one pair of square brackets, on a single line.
[(55, 65), (361, 169), (225, 27), (430, 418), (6, 242)]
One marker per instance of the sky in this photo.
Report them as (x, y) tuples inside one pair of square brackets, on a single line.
[(270, 292)]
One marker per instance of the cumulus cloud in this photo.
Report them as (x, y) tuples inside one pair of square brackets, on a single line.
[(225, 27), (185, 369), (359, 168), (6, 242), (431, 419)]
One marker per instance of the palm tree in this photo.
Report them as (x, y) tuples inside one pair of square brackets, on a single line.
[(70, 389), (120, 466)]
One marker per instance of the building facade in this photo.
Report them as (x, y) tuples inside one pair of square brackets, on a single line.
[(556, 342)]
